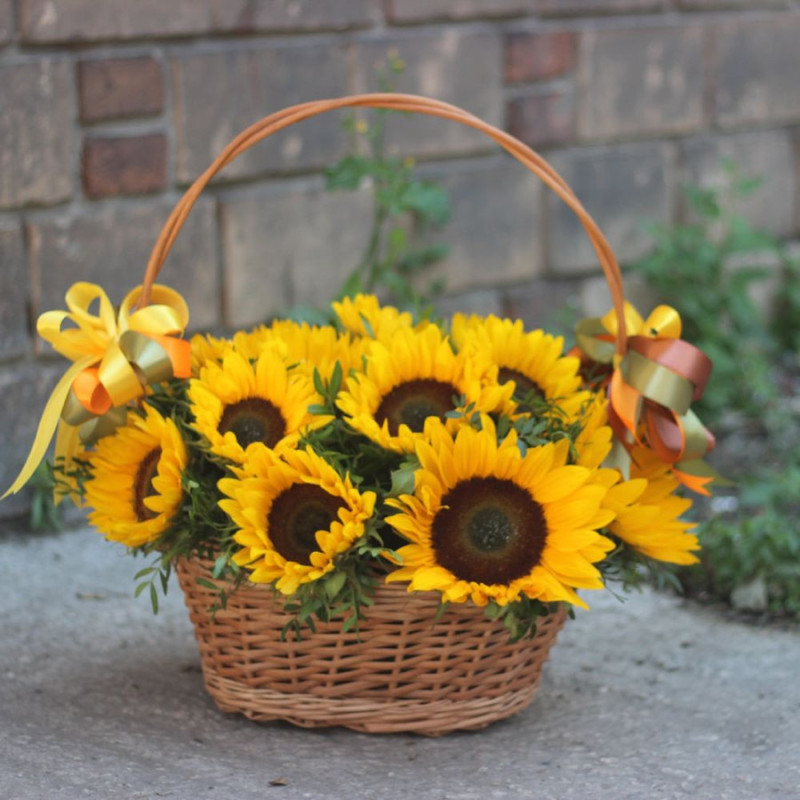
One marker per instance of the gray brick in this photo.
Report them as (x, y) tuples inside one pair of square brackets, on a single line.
[(110, 247), (14, 292), (495, 230), (553, 8), (547, 304), (24, 390), (6, 21), (291, 15), (89, 20), (544, 117), (219, 94), (289, 244), (757, 66), (425, 10), (459, 67), (636, 81), (595, 298), (765, 154), (482, 302), (36, 133), (623, 188)]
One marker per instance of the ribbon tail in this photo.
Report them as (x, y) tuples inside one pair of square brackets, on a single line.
[(48, 424), (696, 474)]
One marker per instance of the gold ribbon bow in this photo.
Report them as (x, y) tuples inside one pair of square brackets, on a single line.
[(116, 355), (651, 388)]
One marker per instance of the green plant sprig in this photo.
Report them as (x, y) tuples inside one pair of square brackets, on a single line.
[(521, 617), (343, 593)]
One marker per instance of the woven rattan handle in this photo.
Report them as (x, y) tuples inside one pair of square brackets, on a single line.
[(398, 102)]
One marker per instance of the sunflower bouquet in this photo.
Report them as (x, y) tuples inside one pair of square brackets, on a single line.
[(467, 460), (378, 520)]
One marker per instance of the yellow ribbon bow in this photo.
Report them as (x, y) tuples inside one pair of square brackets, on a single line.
[(650, 390), (116, 355)]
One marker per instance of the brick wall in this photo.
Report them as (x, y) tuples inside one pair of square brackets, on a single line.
[(108, 110)]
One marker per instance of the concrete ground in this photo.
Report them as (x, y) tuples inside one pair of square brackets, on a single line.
[(649, 699)]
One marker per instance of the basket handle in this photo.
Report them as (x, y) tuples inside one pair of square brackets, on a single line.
[(398, 102)]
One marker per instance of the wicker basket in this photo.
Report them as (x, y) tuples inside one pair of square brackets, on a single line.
[(404, 673)]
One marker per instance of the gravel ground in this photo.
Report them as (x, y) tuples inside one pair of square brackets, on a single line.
[(653, 698)]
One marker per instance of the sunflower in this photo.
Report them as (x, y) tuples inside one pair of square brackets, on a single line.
[(135, 488), (320, 348), (487, 523), (594, 441), (647, 511), (411, 378), (363, 315), (205, 349), (533, 361), (294, 515), (238, 404)]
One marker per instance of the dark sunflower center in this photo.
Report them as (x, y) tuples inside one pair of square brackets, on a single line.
[(296, 516), (253, 420), (490, 531), (524, 384), (143, 484), (411, 403)]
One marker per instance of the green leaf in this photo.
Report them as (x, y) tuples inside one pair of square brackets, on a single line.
[(336, 380), (154, 598), (334, 584), (142, 572), (427, 200), (348, 173), (220, 565), (402, 481)]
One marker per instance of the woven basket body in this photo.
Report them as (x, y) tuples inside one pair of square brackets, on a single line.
[(404, 673)]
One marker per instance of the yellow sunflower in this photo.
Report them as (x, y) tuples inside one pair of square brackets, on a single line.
[(314, 347), (237, 404), (363, 315), (594, 441), (205, 349), (294, 515), (409, 379), (307, 347), (533, 361), (647, 512), (486, 522), (135, 488)]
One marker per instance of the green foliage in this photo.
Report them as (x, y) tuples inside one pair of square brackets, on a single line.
[(406, 210), (691, 268), (520, 618), (753, 354), (44, 514), (343, 593), (759, 542)]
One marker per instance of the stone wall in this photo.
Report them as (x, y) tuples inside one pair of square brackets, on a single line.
[(109, 109)]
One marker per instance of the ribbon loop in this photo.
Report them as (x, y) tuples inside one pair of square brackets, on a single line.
[(651, 388), (117, 355)]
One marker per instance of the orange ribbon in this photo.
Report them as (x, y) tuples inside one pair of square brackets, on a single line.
[(651, 389), (116, 355)]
